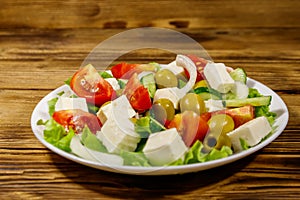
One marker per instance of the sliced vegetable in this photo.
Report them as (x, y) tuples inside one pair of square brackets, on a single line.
[(137, 94), (207, 93), (149, 83), (77, 120), (239, 115), (124, 70), (87, 83), (190, 126), (239, 74), (256, 101)]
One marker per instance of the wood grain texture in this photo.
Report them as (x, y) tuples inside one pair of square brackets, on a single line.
[(133, 13), (42, 43)]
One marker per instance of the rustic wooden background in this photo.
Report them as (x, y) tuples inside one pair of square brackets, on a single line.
[(42, 43)]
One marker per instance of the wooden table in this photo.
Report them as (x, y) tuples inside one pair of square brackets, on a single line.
[(42, 43)]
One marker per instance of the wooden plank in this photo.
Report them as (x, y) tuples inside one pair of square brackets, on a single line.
[(54, 175), (169, 14), (56, 55)]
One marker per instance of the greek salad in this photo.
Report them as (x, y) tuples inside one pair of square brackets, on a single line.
[(189, 111)]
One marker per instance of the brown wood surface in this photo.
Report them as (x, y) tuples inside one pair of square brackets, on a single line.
[(42, 43)]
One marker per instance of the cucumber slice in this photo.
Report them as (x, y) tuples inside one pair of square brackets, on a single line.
[(256, 101), (149, 83), (207, 93), (239, 74)]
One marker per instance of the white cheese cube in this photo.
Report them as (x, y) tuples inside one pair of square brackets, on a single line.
[(114, 83), (105, 112), (218, 78), (66, 103), (113, 137), (252, 132), (114, 145), (164, 147), (118, 130)]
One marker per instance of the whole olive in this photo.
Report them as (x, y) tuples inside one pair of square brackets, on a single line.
[(193, 102), (221, 123), (165, 78), (168, 106), (219, 126)]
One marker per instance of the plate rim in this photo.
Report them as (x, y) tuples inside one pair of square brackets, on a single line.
[(166, 170)]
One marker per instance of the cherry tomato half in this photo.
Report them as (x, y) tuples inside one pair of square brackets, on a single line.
[(124, 70), (87, 83), (190, 126), (77, 119), (137, 94)]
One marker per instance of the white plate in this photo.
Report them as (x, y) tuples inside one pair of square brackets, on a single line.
[(277, 106)]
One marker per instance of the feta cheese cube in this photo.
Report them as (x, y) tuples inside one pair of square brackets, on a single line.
[(218, 78), (114, 83), (252, 132), (164, 147), (66, 103)]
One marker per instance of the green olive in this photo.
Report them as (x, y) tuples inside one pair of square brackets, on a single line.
[(165, 78), (168, 106), (216, 140), (221, 123), (219, 126), (193, 102)]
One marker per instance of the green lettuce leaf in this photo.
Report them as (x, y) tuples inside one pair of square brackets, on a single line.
[(147, 125), (244, 144), (68, 81), (134, 159), (196, 154), (261, 110), (142, 127), (90, 141), (56, 135), (265, 111), (105, 74), (51, 105), (92, 108), (64, 143), (254, 93)]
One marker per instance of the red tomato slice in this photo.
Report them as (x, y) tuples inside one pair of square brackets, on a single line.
[(87, 83), (137, 94), (239, 115), (124, 70), (77, 119), (200, 64), (140, 99), (190, 126)]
